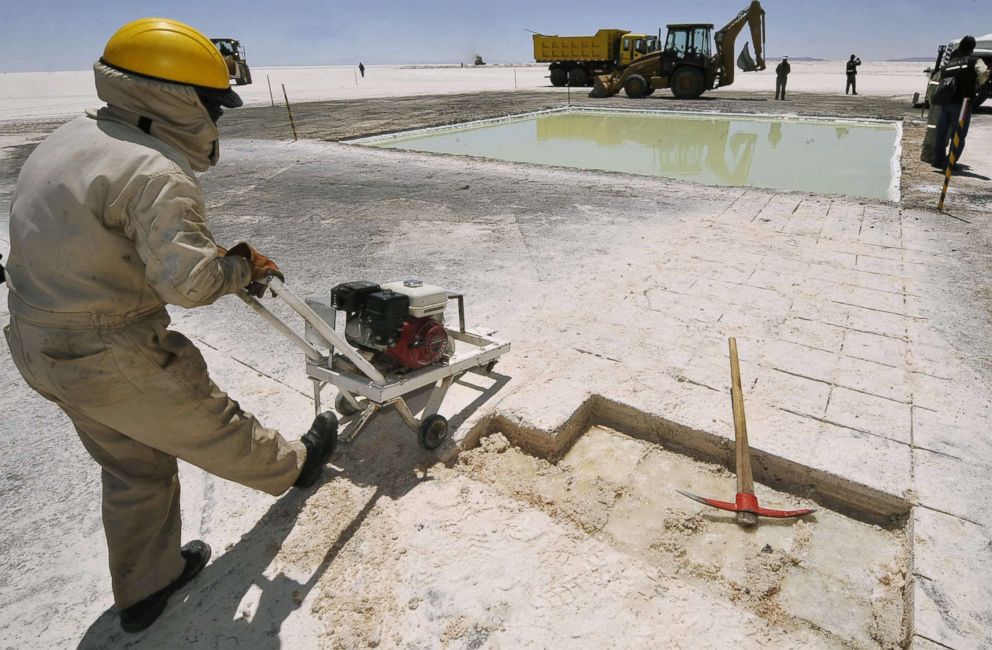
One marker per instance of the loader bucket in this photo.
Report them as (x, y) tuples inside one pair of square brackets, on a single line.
[(602, 86), (745, 61)]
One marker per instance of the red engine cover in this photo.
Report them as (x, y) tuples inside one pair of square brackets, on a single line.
[(423, 341)]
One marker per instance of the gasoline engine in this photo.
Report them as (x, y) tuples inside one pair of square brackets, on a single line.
[(399, 322)]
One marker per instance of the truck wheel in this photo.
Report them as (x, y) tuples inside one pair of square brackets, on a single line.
[(983, 94), (577, 77), (687, 83), (636, 86), (558, 77)]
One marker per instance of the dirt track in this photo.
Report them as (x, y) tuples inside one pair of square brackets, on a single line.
[(345, 119), (340, 120)]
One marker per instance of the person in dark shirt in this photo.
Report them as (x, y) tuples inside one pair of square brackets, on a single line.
[(782, 71), (852, 75), (361, 69), (969, 74)]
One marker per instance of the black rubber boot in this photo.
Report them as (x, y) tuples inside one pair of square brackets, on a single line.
[(143, 613), (320, 442)]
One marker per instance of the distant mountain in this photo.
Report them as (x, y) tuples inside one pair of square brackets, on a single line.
[(913, 59), (803, 58)]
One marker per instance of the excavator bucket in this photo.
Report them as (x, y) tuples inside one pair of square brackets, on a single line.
[(602, 86), (745, 61)]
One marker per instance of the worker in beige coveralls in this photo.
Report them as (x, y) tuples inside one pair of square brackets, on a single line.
[(107, 226)]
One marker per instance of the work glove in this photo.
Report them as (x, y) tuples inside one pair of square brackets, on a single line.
[(261, 267)]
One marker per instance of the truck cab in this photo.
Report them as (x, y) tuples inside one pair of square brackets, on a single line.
[(687, 51), (633, 46), (686, 43)]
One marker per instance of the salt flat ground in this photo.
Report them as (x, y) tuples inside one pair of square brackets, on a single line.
[(864, 336), (34, 95)]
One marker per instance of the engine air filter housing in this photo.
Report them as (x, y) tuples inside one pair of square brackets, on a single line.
[(425, 299)]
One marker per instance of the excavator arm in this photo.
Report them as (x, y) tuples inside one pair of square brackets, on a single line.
[(724, 38)]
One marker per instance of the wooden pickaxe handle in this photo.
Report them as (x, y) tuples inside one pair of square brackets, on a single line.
[(745, 503), (745, 480)]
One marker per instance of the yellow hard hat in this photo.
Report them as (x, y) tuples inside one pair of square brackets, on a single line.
[(168, 50)]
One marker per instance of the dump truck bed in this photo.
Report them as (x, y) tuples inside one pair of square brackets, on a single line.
[(603, 46)]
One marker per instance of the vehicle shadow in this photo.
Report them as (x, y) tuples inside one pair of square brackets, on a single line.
[(208, 612)]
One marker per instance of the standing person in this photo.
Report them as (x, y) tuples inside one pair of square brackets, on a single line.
[(969, 74), (852, 75), (361, 69), (782, 71), (107, 226)]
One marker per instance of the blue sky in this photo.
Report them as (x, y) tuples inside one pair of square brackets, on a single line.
[(69, 34)]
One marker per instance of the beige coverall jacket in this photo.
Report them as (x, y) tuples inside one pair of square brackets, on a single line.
[(106, 228)]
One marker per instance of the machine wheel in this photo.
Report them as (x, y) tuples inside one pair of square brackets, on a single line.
[(636, 86), (577, 77), (433, 431), (343, 406), (687, 83), (558, 77), (982, 95), (488, 369)]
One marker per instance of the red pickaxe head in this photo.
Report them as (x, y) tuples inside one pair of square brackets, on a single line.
[(748, 503)]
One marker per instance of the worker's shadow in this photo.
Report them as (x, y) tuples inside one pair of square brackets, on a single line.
[(210, 610), (962, 170)]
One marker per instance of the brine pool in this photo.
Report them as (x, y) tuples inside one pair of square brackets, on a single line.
[(850, 157)]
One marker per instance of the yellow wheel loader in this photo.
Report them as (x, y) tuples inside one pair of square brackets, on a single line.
[(687, 64), (234, 57)]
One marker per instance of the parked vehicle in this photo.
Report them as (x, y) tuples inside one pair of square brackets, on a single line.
[(687, 63), (575, 60), (983, 50)]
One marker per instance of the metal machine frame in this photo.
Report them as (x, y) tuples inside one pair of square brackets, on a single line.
[(364, 380)]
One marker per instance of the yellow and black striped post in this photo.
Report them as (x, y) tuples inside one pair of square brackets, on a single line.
[(955, 148)]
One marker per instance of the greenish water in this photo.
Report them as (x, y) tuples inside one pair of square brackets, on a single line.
[(822, 156)]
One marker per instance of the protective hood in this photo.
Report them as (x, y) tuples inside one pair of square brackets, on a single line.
[(170, 112)]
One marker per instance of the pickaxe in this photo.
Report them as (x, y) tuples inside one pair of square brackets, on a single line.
[(746, 504)]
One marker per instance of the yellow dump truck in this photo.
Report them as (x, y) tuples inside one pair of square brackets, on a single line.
[(576, 60)]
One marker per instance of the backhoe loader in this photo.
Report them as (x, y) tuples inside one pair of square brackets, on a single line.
[(685, 63)]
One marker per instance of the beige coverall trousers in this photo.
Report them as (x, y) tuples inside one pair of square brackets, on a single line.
[(140, 397)]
